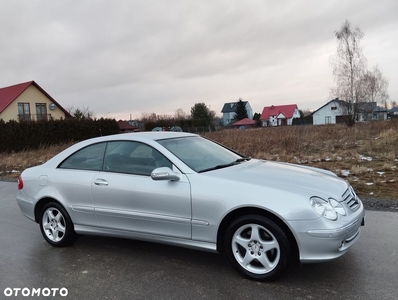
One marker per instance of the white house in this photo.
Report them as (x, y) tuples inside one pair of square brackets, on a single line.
[(229, 111), (327, 113), (279, 115), (331, 111)]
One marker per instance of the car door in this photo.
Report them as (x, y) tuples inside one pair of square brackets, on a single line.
[(127, 198), (72, 181)]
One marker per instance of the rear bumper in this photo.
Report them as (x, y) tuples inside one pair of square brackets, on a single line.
[(26, 205)]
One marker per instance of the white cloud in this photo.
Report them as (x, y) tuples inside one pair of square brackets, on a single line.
[(127, 57)]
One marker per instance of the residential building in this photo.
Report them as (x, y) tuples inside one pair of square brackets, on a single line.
[(29, 102), (328, 113), (245, 123), (125, 127), (229, 111), (334, 110), (393, 112), (279, 115)]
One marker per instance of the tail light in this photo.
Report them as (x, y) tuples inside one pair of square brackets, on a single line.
[(20, 183)]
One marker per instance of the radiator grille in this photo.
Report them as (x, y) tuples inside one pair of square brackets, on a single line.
[(350, 198)]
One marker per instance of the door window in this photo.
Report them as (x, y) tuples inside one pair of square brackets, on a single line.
[(133, 158)]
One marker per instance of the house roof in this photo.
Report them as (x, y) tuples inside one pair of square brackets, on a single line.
[(231, 107), (380, 109), (333, 100), (273, 111), (10, 93), (363, 107), (244, 122), (394, 109), (366, 107), (123, 125)]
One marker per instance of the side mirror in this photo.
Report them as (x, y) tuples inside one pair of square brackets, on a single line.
[(164, 173)]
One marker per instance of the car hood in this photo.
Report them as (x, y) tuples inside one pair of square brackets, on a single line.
[(292, 178)]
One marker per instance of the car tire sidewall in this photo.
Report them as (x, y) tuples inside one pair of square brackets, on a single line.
[(70, 236), (284, 246)]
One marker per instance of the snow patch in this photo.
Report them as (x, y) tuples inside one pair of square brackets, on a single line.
[(345, 173), (367, 158), (380, 173), (369, 183)]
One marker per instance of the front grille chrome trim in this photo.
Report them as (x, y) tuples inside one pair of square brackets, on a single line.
[(351, 199)]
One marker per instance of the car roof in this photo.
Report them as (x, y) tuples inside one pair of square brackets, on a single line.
[(148, 135), (143, 136)]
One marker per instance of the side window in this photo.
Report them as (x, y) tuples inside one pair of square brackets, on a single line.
[(88, 158), (133, 158)]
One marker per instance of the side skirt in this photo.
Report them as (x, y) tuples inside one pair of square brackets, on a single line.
[(197, 245)]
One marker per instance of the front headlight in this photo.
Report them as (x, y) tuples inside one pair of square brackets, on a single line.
[(338, 208), (323, 208), (329, 209)]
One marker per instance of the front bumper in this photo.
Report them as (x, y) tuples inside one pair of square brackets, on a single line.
[(317, 245)]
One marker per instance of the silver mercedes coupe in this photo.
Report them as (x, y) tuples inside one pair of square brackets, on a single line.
[(185, 190)]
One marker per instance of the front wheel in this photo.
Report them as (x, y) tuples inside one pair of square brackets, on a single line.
[(56, 225), (258, 248)]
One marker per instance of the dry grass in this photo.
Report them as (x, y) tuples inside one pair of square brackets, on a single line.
[(366, 155), (11, 164)]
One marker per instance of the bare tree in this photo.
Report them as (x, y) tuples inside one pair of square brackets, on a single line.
[(180, 114), (376, 86), (80, 113), (349, 65), (148, 117)]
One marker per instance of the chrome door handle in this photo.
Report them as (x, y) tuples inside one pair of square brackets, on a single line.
[(101, 182)]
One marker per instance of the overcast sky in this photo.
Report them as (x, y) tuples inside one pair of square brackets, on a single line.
[(131, 57)]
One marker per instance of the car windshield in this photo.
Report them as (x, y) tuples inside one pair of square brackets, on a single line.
[(200, 154)]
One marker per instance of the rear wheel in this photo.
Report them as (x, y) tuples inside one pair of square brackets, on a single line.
[(56, 225), (258, 248)]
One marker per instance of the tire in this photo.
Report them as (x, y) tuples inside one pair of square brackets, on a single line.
[(258, 248), (56, 226)]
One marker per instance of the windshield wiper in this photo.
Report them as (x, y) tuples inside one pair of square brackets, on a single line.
[(235, 162), (245, 158)]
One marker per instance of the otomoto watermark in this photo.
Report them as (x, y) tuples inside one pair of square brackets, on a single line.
[(35, 292)]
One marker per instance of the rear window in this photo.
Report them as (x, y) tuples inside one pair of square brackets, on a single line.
[(88, 158)]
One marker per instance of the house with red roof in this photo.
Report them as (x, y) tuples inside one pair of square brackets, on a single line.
[(126, 127), (245, 123), (29, 102), (279, 115)]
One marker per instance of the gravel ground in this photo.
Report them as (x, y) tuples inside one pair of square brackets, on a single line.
[(380, 204), (369, 203)]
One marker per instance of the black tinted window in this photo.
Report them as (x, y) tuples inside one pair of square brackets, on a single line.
[(88, 158), (133, 158)]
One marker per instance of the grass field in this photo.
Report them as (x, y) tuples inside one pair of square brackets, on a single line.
[(366, 155)]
